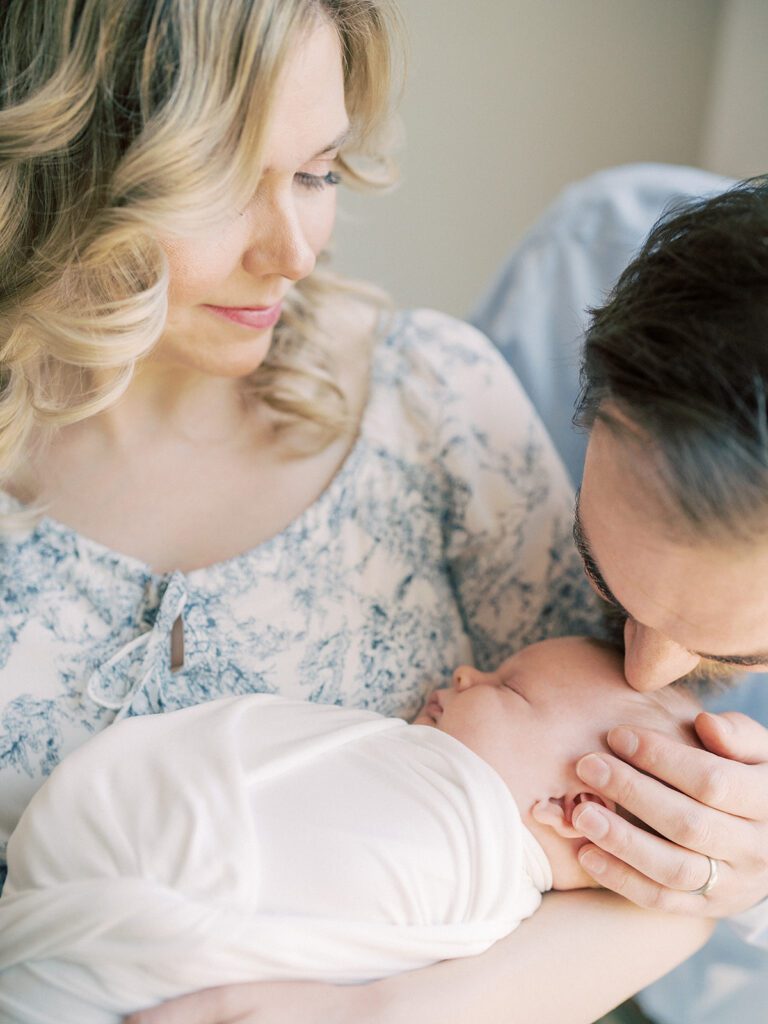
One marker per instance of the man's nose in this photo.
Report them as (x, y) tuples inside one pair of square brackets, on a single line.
[(280, 245), (651, 660)]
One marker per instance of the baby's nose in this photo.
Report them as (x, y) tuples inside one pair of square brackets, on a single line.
[(467, 676), (462, 677)]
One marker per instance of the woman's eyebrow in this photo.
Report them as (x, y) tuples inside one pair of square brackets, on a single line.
[(339, 141), (590, 565)]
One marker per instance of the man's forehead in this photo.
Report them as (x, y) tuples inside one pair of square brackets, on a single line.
[(620, 457), (710, 598)]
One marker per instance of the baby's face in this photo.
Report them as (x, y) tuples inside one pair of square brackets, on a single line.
[(536, 715)]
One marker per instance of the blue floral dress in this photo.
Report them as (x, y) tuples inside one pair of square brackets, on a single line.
[(444, 537)]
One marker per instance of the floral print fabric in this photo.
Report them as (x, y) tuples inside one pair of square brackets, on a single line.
[(444, 537)]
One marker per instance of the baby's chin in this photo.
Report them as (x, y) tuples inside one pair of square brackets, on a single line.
[(424, 718), (561, 853)]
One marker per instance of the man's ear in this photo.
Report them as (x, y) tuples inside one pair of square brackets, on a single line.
[(556, 812)]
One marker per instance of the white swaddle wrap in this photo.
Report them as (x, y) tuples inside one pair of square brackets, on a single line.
[(254, 838)]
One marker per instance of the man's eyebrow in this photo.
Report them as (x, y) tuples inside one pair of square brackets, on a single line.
[(592, 570), (590, 565), (746, 660), (339, 141)]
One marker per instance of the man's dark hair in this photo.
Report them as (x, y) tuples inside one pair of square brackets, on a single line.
[(680, 349)]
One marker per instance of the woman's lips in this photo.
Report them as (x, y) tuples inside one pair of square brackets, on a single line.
[(255, 317)]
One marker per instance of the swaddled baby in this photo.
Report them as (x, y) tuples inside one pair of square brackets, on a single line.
[(262, 838)]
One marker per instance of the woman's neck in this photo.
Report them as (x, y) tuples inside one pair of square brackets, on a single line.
[(172, 403)]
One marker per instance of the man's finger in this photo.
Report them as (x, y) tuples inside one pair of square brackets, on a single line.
[(734, 736), (652, 856), (611, 873), (725, 785), (683, 821)]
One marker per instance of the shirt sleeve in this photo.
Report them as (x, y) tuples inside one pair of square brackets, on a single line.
[(507, 526), (752, 925)]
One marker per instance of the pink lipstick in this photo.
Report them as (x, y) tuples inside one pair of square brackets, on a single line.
[(254, 317)]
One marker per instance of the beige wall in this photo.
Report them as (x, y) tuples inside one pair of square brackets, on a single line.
[(736, 129), (507, 101)]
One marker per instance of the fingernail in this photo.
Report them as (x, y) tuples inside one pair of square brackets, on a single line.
[(723, 723), (623, 741), (593, 862), (593, 770), (591, 821)]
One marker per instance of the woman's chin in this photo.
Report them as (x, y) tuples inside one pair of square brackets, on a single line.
[(221, 357)]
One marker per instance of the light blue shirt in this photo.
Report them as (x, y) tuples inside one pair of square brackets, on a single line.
[(535, 312)]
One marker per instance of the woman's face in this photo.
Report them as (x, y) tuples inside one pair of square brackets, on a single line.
[(226, 285)]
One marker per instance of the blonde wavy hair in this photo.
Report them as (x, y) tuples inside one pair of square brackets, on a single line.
[(123, 121)]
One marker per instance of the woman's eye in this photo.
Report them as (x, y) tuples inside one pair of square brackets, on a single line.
[(318, 181)]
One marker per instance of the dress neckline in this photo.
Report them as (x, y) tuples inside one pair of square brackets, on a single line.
[(69, 537)]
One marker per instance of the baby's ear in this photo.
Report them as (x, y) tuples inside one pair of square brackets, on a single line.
[(557, 811), (552, 813)]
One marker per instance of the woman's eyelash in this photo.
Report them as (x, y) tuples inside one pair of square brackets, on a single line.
[(318, 181)]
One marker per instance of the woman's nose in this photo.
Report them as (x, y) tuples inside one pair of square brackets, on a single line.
[(279, 245), (651, 660)]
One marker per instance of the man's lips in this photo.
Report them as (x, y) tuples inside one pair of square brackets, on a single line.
[(255, 317)]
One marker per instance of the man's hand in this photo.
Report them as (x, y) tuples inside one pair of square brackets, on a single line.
[(718, 808)]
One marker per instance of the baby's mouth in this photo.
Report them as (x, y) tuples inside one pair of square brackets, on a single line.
[(433, 706)]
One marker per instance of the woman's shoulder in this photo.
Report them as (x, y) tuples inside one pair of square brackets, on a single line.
[(447, 369), (438, 339)]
